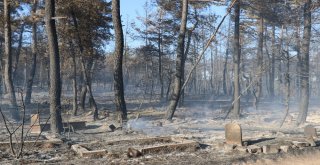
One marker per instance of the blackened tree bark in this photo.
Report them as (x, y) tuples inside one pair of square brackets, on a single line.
[(85, 75), (34, 56), (287, 85), (74, 79), (8, 60), (179, 63), (118, 75), (273, 46), (298, 46), (181, 101), (87, 81), (304, 89), (74, 83), (236, 62), (55, 78), (83, 94), (16, 62), (225, 64), (260, 62), (160, 63), (186, 52)]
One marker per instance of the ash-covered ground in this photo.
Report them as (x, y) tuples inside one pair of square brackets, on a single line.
[(199, 120)]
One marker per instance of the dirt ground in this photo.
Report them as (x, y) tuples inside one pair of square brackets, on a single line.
[(199, 120)]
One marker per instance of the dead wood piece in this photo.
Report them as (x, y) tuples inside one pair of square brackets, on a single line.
[(78, 149), (30, 143), (95, 154), (192, 146), (83, 152)]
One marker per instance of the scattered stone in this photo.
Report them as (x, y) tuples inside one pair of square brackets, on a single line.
[(253, 149), (228, 147), (133, 153), (300, 145), (270, 149), (241, 148), (310, 131), (158, 124), (311, 141), (233, 134), (48, 145), (286, 148), (112, 128), (44, 156), (112, 155)]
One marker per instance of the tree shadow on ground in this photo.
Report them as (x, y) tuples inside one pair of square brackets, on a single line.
[(252, 142)]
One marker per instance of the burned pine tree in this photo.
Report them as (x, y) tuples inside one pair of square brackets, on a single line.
[(8, 60), (236, 62), (179, 63), (118, 54), (34, 55), (55, 79), (304, 64)]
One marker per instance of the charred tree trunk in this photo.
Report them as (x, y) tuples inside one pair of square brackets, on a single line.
[(87, 81), (85, 75), (16, 62), (118, 75), (181, 102), (160, 64), (260, 61), (83, 92), (225, 64), (34, 57), (236, 62), (74, 80), (271, 76), (287, 82), (41, 68), (55, 79), (83, 95), (179, 63), (304, 89), (8, 60), (297, 33), (74, 84)]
